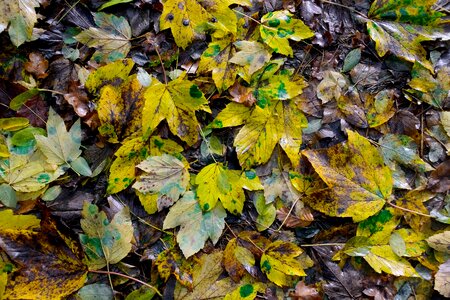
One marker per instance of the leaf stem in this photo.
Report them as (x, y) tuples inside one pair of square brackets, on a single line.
[(128, 277), (288, 214), (162, 64), (409, 210), (322, 245)]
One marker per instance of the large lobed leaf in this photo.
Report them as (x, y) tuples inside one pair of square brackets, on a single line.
[(358, 181)]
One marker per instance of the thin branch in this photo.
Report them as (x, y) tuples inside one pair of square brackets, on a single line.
[(409, 210), (128, 277)]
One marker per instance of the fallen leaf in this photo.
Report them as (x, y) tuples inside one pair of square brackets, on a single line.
[(251, 54), (441, 281), (105, 242), (439, 181), (238, 260), (49, 264), (195, 226), (165, 176), (247, 291), (357, 167), (278, 27), (440, 242), (215, 182), (111, 38), (170, 262), (37, 65), (305, 292)]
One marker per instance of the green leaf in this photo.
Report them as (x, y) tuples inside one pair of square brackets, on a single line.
[(105, 242), (22, 16), (97, 291), (246, 292), (111, 39), (278, 262), (195, 226), (266, 212), (279, 27), (61, 146), (351, 60), (8, 195), (81, 166), (166, 176), (359, 182), (400, 26), (183, 18), (429, 89), (216, 182), (17, 102), (13, 124), (175, 102), (112, 3)]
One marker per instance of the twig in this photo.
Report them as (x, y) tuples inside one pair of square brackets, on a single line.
[(409, 210), (128, 277)]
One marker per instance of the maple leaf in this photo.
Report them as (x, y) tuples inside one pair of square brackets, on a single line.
[(278, 185), (132, 152), (380, 107), (195, 226), (272, 121), (400, 26), (278, 262), (278, 27), (441, 282), (105, 242), (49, 264), (216, 182), (21, 17), (216, 58), (183, 18), (111, 38), (165, 176), (171, 261), (359, 182), (238, 260), (206, 280), (62, 147), (427, 88), (175, 102), (251, 54)]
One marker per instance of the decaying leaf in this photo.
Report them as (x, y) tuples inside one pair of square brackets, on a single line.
[(171, 261), (442, 282), (165, 176), (105, 242), (440, 241), (279, 263), (195, 225), (111, 38), (21, 17), (251, 54), (49, 264), (305, 292), (358, 181), (216, 182), (399, 27), (238, 260), (245, 292)]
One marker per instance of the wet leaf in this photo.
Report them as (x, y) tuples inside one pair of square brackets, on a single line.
[(382, 258), (10, 221), (98, 291), (278, 185), (195, 226), (305, 292), (279, 27), (49, 263), (175, 102), (105, 242), (351, 60), (215, 182), (358, 181), (111, 38), (247, 291), (380, 108), (238, 260), (61, 147), (278, 262), (13, 124), (165, 176), (266, 212)]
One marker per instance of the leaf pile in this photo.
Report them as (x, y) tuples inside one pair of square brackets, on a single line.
[(224, 149)]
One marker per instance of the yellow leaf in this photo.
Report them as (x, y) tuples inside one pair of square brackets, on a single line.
[(246, 292), (13, 124), (440, 241), (278, 27), (175, 102), (50, 264), (183, 18), (105, 242), (17, 222), (217, 182), (112, 73), (382, 258), (278, 262), (252, 54), (358, 181)]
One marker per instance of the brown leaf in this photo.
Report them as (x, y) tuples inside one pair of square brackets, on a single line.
[(242, 94), (78, 98), (35, 110), (37, 65), (439, 181), (305, 292), (302, 218)]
